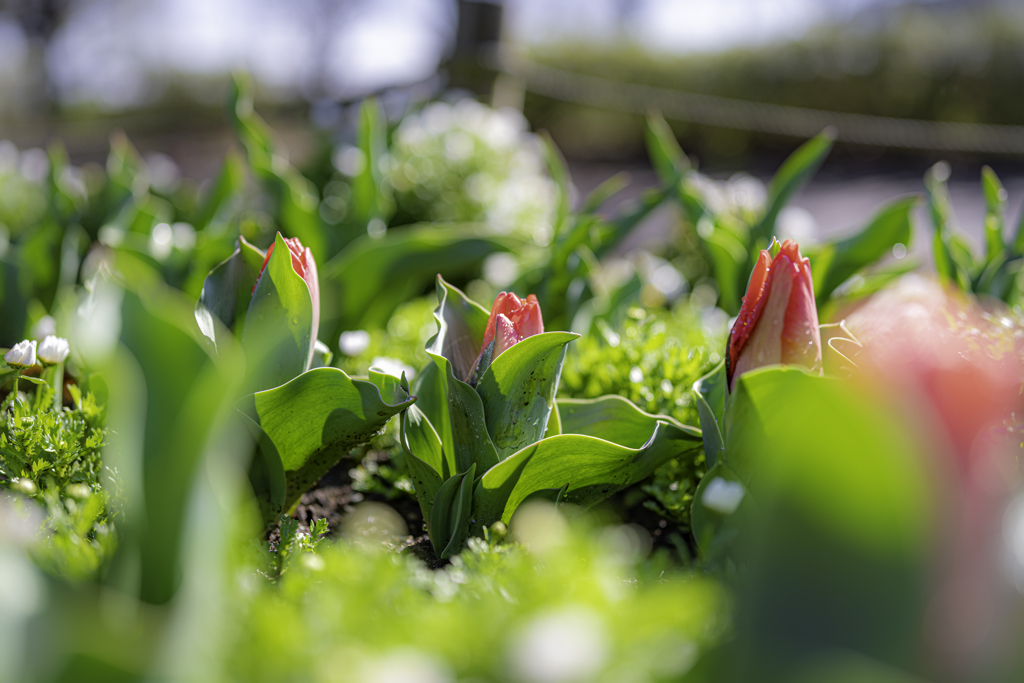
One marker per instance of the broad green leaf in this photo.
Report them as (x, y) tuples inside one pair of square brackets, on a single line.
[(590, 469), (371, 277), (450, 514), (315, 419), (278, 336), (228, 289), (554, 423), (835, 262), (712, 387), (662, 147), (462, 425), (518, 390), (714, 446), (793, 175), (613, 418), (424, 457), (461, 325)]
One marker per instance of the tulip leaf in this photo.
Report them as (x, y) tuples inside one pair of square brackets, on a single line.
[(518, 390), (662, 147), (228, 290), (315, 419), (462, 424), (461, 323), (713, 390), (835, 262), (450, 514), (791, 176), (424, 457), (729, 257), (613, 418), (371, 277), (590, 469), (995, 203), (715, 527), (714, 445), (278, 336)]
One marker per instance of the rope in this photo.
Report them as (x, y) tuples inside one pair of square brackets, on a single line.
[(761, 117)]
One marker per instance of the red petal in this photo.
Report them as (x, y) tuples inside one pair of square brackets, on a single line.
[(750, 311)]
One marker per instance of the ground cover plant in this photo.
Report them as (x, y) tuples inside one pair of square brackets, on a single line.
[(286, 437)]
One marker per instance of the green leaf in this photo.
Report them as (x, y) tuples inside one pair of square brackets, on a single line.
[(712, 387), (424, 457), (228, 289), (295, 197), (315, 419), (662, 147), (605, 191), (278, 336), (729, 258), (559, 172), (613, 418), (714, 530), (793, 175), (835, 262), (228, 184), (714, 445), (590, 468), (461, 325), (995, 204), (518, 390), (368, 198), (371, 277), (618, 228), (450, 514)]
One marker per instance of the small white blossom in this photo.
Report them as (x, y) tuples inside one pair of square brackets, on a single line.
[(22, 355), (723, 496), (53, 350)]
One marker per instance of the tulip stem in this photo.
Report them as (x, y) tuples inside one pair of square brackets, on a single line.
[(17, 376)]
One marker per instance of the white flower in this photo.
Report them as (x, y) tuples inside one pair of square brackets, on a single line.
[(723, 496), (22, 355), (53, 350), (354, 342)]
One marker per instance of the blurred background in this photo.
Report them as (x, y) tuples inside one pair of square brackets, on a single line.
[(906, 83)]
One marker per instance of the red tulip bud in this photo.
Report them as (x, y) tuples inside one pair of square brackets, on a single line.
[(778, 321), (305, 266), (512, 320)]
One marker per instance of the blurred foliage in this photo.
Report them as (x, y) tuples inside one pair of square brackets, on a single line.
[(53, 458), (958, 62), (578, 606)]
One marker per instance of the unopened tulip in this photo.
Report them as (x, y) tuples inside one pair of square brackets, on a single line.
[(53, 350), (778, 321), (21, 355), (305, 266), (512, 320)]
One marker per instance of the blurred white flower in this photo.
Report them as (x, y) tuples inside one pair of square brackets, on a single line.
[(21, 355), (392, 366), (406, 666), (44, 327), (53, 350), (559, 647), (354, 342), (723, 496)]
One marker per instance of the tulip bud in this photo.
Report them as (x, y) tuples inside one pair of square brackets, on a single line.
[(53, 350), (778, 321), (512, 320), (21, 355), (305, 266)]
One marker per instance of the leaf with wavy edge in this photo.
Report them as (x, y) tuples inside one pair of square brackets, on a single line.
[(590, 468), (315, 419), (518, 390)]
